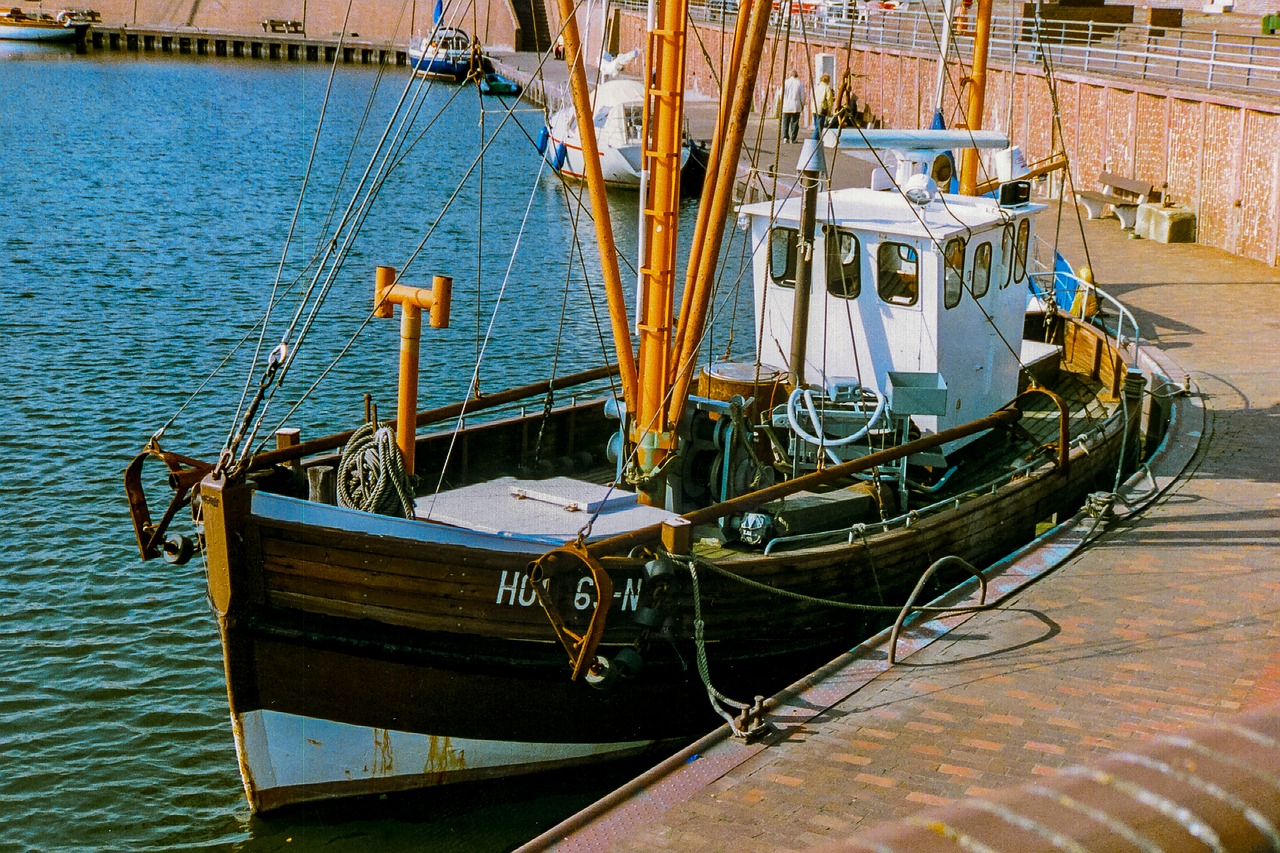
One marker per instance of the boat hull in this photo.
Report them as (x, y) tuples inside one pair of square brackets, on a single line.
[(453, 69), (32, 31), (290, 759), (620, 165)]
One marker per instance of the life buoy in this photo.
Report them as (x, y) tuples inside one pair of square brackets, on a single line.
[(64, 18)]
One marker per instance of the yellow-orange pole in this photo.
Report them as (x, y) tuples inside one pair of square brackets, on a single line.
[(578, 88), (716, 206), (727, 87), (407, 398), (412, 301), (977, 97), (652, 432)]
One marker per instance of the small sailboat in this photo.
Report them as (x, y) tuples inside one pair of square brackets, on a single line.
[(521, 588), (17, 25)]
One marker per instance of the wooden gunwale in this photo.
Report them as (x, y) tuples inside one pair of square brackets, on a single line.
[(337, 573)]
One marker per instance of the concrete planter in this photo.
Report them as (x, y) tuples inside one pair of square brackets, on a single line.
[(1172, 224)]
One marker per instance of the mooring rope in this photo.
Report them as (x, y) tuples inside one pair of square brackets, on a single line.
[(371, 475), (717, 698)]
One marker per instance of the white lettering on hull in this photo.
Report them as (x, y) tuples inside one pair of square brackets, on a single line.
[(514, 588)]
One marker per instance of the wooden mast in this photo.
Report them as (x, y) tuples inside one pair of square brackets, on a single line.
[(727, 87), (977, 97), (618, 321)]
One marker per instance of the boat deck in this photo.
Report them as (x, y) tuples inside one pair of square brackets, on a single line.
[(1167, 622)]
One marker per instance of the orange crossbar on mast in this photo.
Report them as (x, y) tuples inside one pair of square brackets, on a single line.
[(578, 88), (652, 431)]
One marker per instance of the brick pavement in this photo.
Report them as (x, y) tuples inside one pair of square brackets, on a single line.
[(1166, 621)]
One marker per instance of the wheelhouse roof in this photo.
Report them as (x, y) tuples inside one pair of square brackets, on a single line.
[(890, 213)]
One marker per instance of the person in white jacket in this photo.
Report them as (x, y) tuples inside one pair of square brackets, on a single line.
[(792, 104)]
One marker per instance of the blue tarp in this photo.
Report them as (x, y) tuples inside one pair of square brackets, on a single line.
[(1064, 282)]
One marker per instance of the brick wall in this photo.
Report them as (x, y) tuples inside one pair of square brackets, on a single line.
[(1219, 156)]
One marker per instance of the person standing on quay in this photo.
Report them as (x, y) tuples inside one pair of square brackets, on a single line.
[(824, 101), (792, 103)]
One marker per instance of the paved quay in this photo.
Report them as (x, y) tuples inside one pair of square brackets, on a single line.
[(1165, 622)]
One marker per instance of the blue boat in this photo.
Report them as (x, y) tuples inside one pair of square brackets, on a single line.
[(447, 53), (496, 84)]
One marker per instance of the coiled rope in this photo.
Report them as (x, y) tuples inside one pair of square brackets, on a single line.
[(371, 475)]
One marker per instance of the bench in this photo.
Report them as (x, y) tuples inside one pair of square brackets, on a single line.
[(1122, 194), (275, 25)]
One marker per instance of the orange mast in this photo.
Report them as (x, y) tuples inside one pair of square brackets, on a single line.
[(599, 204), (652, 431), (717, 195), (977, 97)]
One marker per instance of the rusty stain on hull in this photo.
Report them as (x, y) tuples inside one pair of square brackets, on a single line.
[(383, 756), (443, 758)]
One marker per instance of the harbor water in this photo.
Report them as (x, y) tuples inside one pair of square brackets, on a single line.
[(145, 211)]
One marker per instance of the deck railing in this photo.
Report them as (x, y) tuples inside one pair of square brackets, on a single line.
[(1166, 55), (1084, 300)]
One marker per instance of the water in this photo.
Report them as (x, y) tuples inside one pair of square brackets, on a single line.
[(142, 223)]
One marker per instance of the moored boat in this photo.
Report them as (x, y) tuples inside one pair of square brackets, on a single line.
[(17, 25), (496, 84), (618, 114), (446, 53), (519, 590)]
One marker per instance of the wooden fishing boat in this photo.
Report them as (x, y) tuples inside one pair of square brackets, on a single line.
[(604, 575)]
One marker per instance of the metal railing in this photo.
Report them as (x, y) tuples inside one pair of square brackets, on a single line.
[(855, 533), (1166, 55), (1084, 300)]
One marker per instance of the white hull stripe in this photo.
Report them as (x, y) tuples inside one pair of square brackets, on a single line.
[(283, 750)]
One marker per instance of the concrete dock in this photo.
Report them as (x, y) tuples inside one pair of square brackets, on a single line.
[(1164, 622)]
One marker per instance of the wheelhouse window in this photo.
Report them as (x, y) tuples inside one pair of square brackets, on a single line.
[(1006, 256), (844, 263), (953, 272), (897, 274), (1020, 250), (981, 270), (782, 256)]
